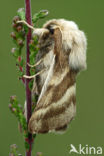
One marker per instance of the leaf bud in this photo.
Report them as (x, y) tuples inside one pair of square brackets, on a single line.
[(19, 58), (19, 28), (10, 105), (13, 35), (14, 25), (13, 98), (13, 50), (20, 42), (16, 18), (13, 109)]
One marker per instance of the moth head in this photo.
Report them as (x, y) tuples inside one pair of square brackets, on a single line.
[(45, 39), (40, 32), (73, 42)]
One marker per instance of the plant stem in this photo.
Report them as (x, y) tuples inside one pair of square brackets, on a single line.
[(28, 92)]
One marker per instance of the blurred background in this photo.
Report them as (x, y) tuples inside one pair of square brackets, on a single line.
[(88, 126)]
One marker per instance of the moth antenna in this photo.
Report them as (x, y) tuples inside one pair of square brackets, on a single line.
[(28, 25), (33, 76), (35, 64)]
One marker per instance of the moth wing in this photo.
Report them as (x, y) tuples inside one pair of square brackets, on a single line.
[(54, 109)]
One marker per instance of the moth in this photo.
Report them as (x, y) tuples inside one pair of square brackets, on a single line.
[(61, 56)]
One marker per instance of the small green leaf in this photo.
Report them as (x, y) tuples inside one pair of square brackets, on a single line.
[(32, 60), (21, 74), (21, 13), (22, 62), (25, 134), (27, 146), (35, 38), (31, 84), (39, 15), (32, 71)]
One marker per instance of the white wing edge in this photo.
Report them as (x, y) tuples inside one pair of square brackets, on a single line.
[(50, 73)]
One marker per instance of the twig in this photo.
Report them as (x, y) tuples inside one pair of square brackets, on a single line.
[(28, 92)]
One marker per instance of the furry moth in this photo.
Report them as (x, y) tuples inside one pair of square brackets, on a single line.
[(62, 49)]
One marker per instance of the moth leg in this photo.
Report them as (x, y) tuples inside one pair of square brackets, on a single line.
[(35, 64), (33, 76), (28, 25)]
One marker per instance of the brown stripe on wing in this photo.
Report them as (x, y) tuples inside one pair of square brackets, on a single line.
[(44, 127), (41, 123), (55, 111), (55, 93), (60, 90), (48, 120)]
